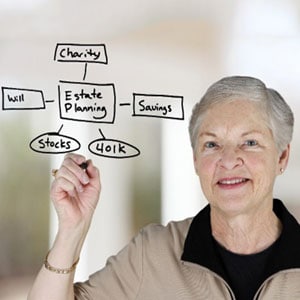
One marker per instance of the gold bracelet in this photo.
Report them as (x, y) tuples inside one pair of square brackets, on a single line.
[(57, 270)]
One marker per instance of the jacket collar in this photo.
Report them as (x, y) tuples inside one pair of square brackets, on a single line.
[(199, 246)]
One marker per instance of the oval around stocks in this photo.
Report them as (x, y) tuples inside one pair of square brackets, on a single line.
[(113, 148), (53, 142)]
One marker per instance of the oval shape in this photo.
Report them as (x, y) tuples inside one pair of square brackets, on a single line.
[(53, 142), (113, 148)]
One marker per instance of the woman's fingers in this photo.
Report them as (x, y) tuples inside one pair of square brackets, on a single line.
[(71, 168), (74, 175), (77, 179), (62, 188), (93, 173)]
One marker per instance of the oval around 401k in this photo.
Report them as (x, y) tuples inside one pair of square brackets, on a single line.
[(113, 148)]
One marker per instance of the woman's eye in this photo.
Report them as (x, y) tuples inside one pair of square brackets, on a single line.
[(210, 145), (251, 143)]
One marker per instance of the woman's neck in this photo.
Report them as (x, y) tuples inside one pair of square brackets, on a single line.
[(244, 234)]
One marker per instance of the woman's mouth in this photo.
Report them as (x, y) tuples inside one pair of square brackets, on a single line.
[(232, 182)]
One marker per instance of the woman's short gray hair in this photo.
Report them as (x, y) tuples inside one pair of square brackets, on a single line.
[(279, 115)]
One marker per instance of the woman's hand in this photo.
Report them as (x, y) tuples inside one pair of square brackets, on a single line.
[(75, 192)]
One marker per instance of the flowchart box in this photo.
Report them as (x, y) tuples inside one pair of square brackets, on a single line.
[(22, 99), (85, 53), (87, 102), (159, 106)]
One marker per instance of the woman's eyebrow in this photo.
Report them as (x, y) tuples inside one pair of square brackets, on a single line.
[(207, 133), (252, 132)]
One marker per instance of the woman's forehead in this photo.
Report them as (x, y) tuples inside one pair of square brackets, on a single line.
[(246, 116)]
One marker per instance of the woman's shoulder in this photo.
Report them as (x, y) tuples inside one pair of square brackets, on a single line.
[(172, 228), (172, 235)]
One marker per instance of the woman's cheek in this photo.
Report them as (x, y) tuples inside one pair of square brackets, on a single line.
[(207, 165)]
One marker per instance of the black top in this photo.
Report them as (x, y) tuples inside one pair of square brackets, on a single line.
[(200, 246), (245, 272)]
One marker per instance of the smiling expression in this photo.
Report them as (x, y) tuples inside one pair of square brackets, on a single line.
[(236, 158)]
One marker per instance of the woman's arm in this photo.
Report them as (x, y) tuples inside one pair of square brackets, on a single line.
[(74, 193)]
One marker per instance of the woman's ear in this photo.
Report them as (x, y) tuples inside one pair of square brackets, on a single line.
[(284, 159)]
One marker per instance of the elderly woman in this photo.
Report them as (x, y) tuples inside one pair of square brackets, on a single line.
[(243, 245)]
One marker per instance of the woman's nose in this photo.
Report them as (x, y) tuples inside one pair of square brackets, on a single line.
[(230, 158)]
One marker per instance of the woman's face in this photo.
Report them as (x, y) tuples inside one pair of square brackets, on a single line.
[(236, 158)]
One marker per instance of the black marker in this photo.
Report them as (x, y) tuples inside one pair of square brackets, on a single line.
[(84, 165)]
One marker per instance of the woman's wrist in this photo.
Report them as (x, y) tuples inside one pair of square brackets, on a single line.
[(66, 248), (57, 270)]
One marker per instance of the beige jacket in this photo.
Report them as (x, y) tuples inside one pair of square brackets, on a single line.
[(168, 263)]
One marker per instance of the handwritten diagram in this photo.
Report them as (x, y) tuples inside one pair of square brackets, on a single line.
[(54, 142), (89, 102), (20, 99)]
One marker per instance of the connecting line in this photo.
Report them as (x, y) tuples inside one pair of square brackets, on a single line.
[(85, 71), (61, 127), (101, 133)]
